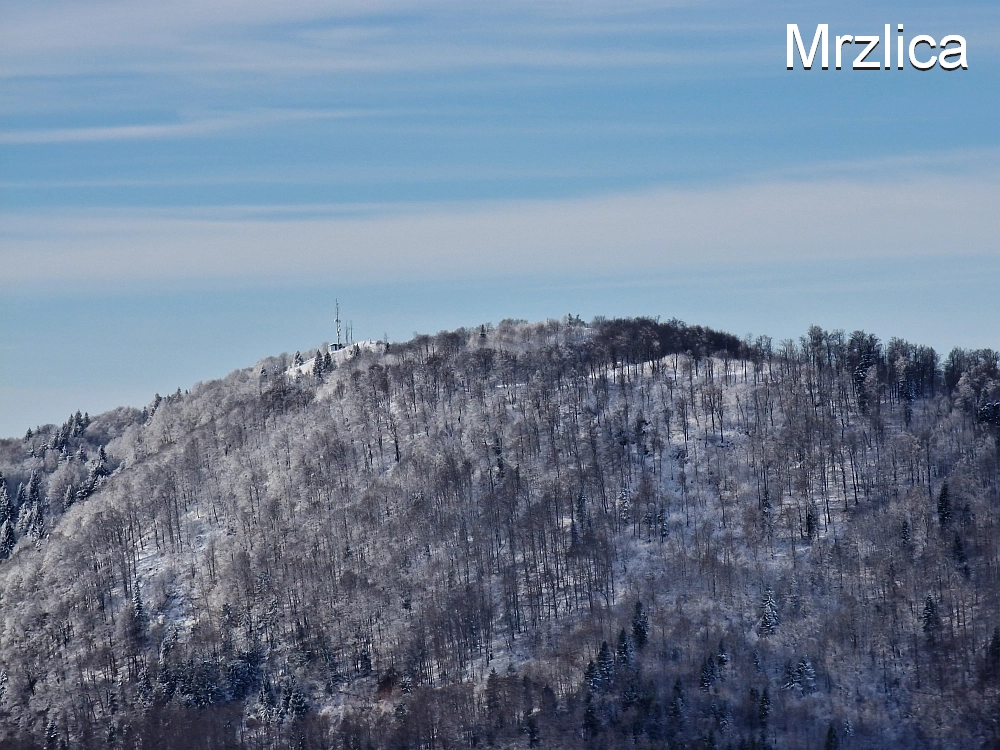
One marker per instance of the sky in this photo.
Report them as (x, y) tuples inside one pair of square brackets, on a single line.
[(188, 186)]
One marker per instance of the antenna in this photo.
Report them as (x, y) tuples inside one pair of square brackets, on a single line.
[(340, 344)]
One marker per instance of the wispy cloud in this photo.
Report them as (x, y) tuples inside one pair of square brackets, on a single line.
[(190, 129), (177, 36), (657, 230)]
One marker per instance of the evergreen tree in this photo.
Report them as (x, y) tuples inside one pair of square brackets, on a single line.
[(640, 626), (764, 708), (591, 722), (722, 658), (606, 666), (676, 711), (769, 619), (791, 678), (944, 506), (5, 509), (806, 674), (7, 539), (493, 708), (961, 560), (991, 668), (709, 674), (625, 653), (31, 514), (832, 741), (931, 620)]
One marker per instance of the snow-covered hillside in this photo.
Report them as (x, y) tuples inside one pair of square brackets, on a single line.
[(629, 533)]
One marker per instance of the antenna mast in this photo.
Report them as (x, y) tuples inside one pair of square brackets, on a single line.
[(340, 344)]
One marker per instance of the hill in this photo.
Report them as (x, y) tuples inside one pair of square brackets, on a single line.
[(622, 533)]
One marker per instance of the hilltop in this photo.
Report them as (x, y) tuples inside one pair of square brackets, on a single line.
[(565, 534)]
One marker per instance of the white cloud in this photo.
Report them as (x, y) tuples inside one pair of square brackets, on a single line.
[(184, 36), (191, 129), (907, 217)]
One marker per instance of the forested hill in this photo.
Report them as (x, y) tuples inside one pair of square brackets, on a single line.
[(626, 533)]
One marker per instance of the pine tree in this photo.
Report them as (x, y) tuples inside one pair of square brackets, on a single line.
[(791, 678), (625, 653), (709, 674), (640, 626), (5, 509), (69, 496), (764, 708), (592, 677), (624, 506), (7, 539), (51, 735), (931, 620), (961, 560), (30, 516), (675, 713), (493, 698), (722, 658), (769, 619), (991, 670), (806, 674), (832, 742), (606, 666), (944, 506)]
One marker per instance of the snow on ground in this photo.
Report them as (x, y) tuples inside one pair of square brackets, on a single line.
[(338, 357)]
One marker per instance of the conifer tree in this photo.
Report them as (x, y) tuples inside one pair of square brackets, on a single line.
[(7, 539), (625, 653), (991, 668), (931, 620), (606, 665), (769, 619), (592, 677), (640, 626), (5, 509), (944, 506), (764, 708)]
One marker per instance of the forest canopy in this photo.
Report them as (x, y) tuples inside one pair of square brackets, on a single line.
[(621, 533)]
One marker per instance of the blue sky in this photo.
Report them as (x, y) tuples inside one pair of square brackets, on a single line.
[(186, 187)]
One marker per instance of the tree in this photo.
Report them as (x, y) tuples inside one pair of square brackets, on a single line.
[(606, 666), (722, 658), (764, 708), (7, 539), (931, 620), (709, 674), (676, 711), (944, 506), (961, 559), (592, 677), (991, 664), (625, 653), (5, 509), (640, 626), (769, 619)]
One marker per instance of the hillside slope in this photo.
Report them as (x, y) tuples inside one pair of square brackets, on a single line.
[(631, 533)]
